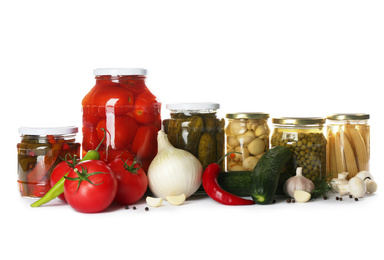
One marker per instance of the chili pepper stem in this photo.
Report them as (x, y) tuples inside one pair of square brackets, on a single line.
[(225, 155)]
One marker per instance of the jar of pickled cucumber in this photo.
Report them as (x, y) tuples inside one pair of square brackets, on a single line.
[(38, 153), (305, 137), (248, 135), (196, 128), (348, 144)]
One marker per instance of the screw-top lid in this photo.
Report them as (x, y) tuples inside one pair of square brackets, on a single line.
[(348, 116), (119, 71), (48, 130), (298, 120), (193, 106), (247, 116)]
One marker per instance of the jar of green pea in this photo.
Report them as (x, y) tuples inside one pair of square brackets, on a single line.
[(305, 137)]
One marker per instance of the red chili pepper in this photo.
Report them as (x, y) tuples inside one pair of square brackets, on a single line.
[(212, 188)]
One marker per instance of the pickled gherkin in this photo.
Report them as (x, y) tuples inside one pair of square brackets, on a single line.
[(196, 128)]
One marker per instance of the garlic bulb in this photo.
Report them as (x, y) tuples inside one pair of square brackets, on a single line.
[(298, 182), (173, 171)]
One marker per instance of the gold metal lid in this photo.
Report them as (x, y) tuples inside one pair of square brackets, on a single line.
[(247, 116), (298, 120), (357, 116)]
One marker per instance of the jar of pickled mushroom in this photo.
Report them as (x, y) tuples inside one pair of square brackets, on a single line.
[(248, 135), (38, 153), (348, 147), (196, 128), (305, 137), (122, 115)]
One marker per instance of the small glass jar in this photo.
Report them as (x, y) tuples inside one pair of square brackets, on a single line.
[(121, 104), (348, 148), (39, 151), (195, 127), (248, 135), (305, 137)]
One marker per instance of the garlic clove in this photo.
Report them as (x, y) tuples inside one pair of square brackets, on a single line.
[(301, 196), (154, 202), (176, 200)]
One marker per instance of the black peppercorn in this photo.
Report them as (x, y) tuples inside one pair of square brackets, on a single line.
[(134, 208), (356, 199), (127, 207), (146, 208)]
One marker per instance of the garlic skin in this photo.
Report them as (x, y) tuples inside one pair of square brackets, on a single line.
[(298, 183), (173, 171)]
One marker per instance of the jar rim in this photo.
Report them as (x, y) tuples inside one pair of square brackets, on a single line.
[(298, 120), (193, 106), (349, 116), (119, 71), (243, 115), (47, 130)]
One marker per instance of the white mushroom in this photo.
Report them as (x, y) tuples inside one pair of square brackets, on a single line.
[(340, 180), (232, 141), (357, 187), (244, 153), (238, 127), (256, 147), (368, 179), (250, 163), (261, 130), (246, 138)]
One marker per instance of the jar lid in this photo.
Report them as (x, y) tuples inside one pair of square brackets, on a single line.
[(119, 71), (247, 115), (298, 120), (193, 106), (48, 130), (348, 116)]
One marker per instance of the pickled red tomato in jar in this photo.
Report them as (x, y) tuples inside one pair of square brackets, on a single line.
[(121, 104)]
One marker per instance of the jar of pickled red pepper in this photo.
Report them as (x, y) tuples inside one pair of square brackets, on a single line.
[(38, 153), (248, 135), (348, 137), (122, 114), (305, 137)]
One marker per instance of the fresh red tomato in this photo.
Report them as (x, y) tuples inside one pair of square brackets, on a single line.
[(144, 144), (113, 99), (132, 181), (59, 171), (147, 109), (91, 188), (120, 131)]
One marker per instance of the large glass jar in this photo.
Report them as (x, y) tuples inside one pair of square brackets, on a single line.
[(195, 127), (121, 104), (305, 137), (38, 153), (348, 147), (248, 135)]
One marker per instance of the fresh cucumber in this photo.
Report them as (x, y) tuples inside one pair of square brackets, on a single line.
[(236, 182), (265, 176)]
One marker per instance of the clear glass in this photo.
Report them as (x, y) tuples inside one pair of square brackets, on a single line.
[(308, 146), (129, 113), (37, 157), (199, 132), (348, 148), (250, 137)]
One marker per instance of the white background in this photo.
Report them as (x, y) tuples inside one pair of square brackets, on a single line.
[(288, 58)]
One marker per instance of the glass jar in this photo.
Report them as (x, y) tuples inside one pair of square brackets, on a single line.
[(348, 148), (248, 134), (39, 151), (195, 127), (121, 104), (305, 137)]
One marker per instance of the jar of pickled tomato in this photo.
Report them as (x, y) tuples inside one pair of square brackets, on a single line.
[(38, 153), (122, 115)]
